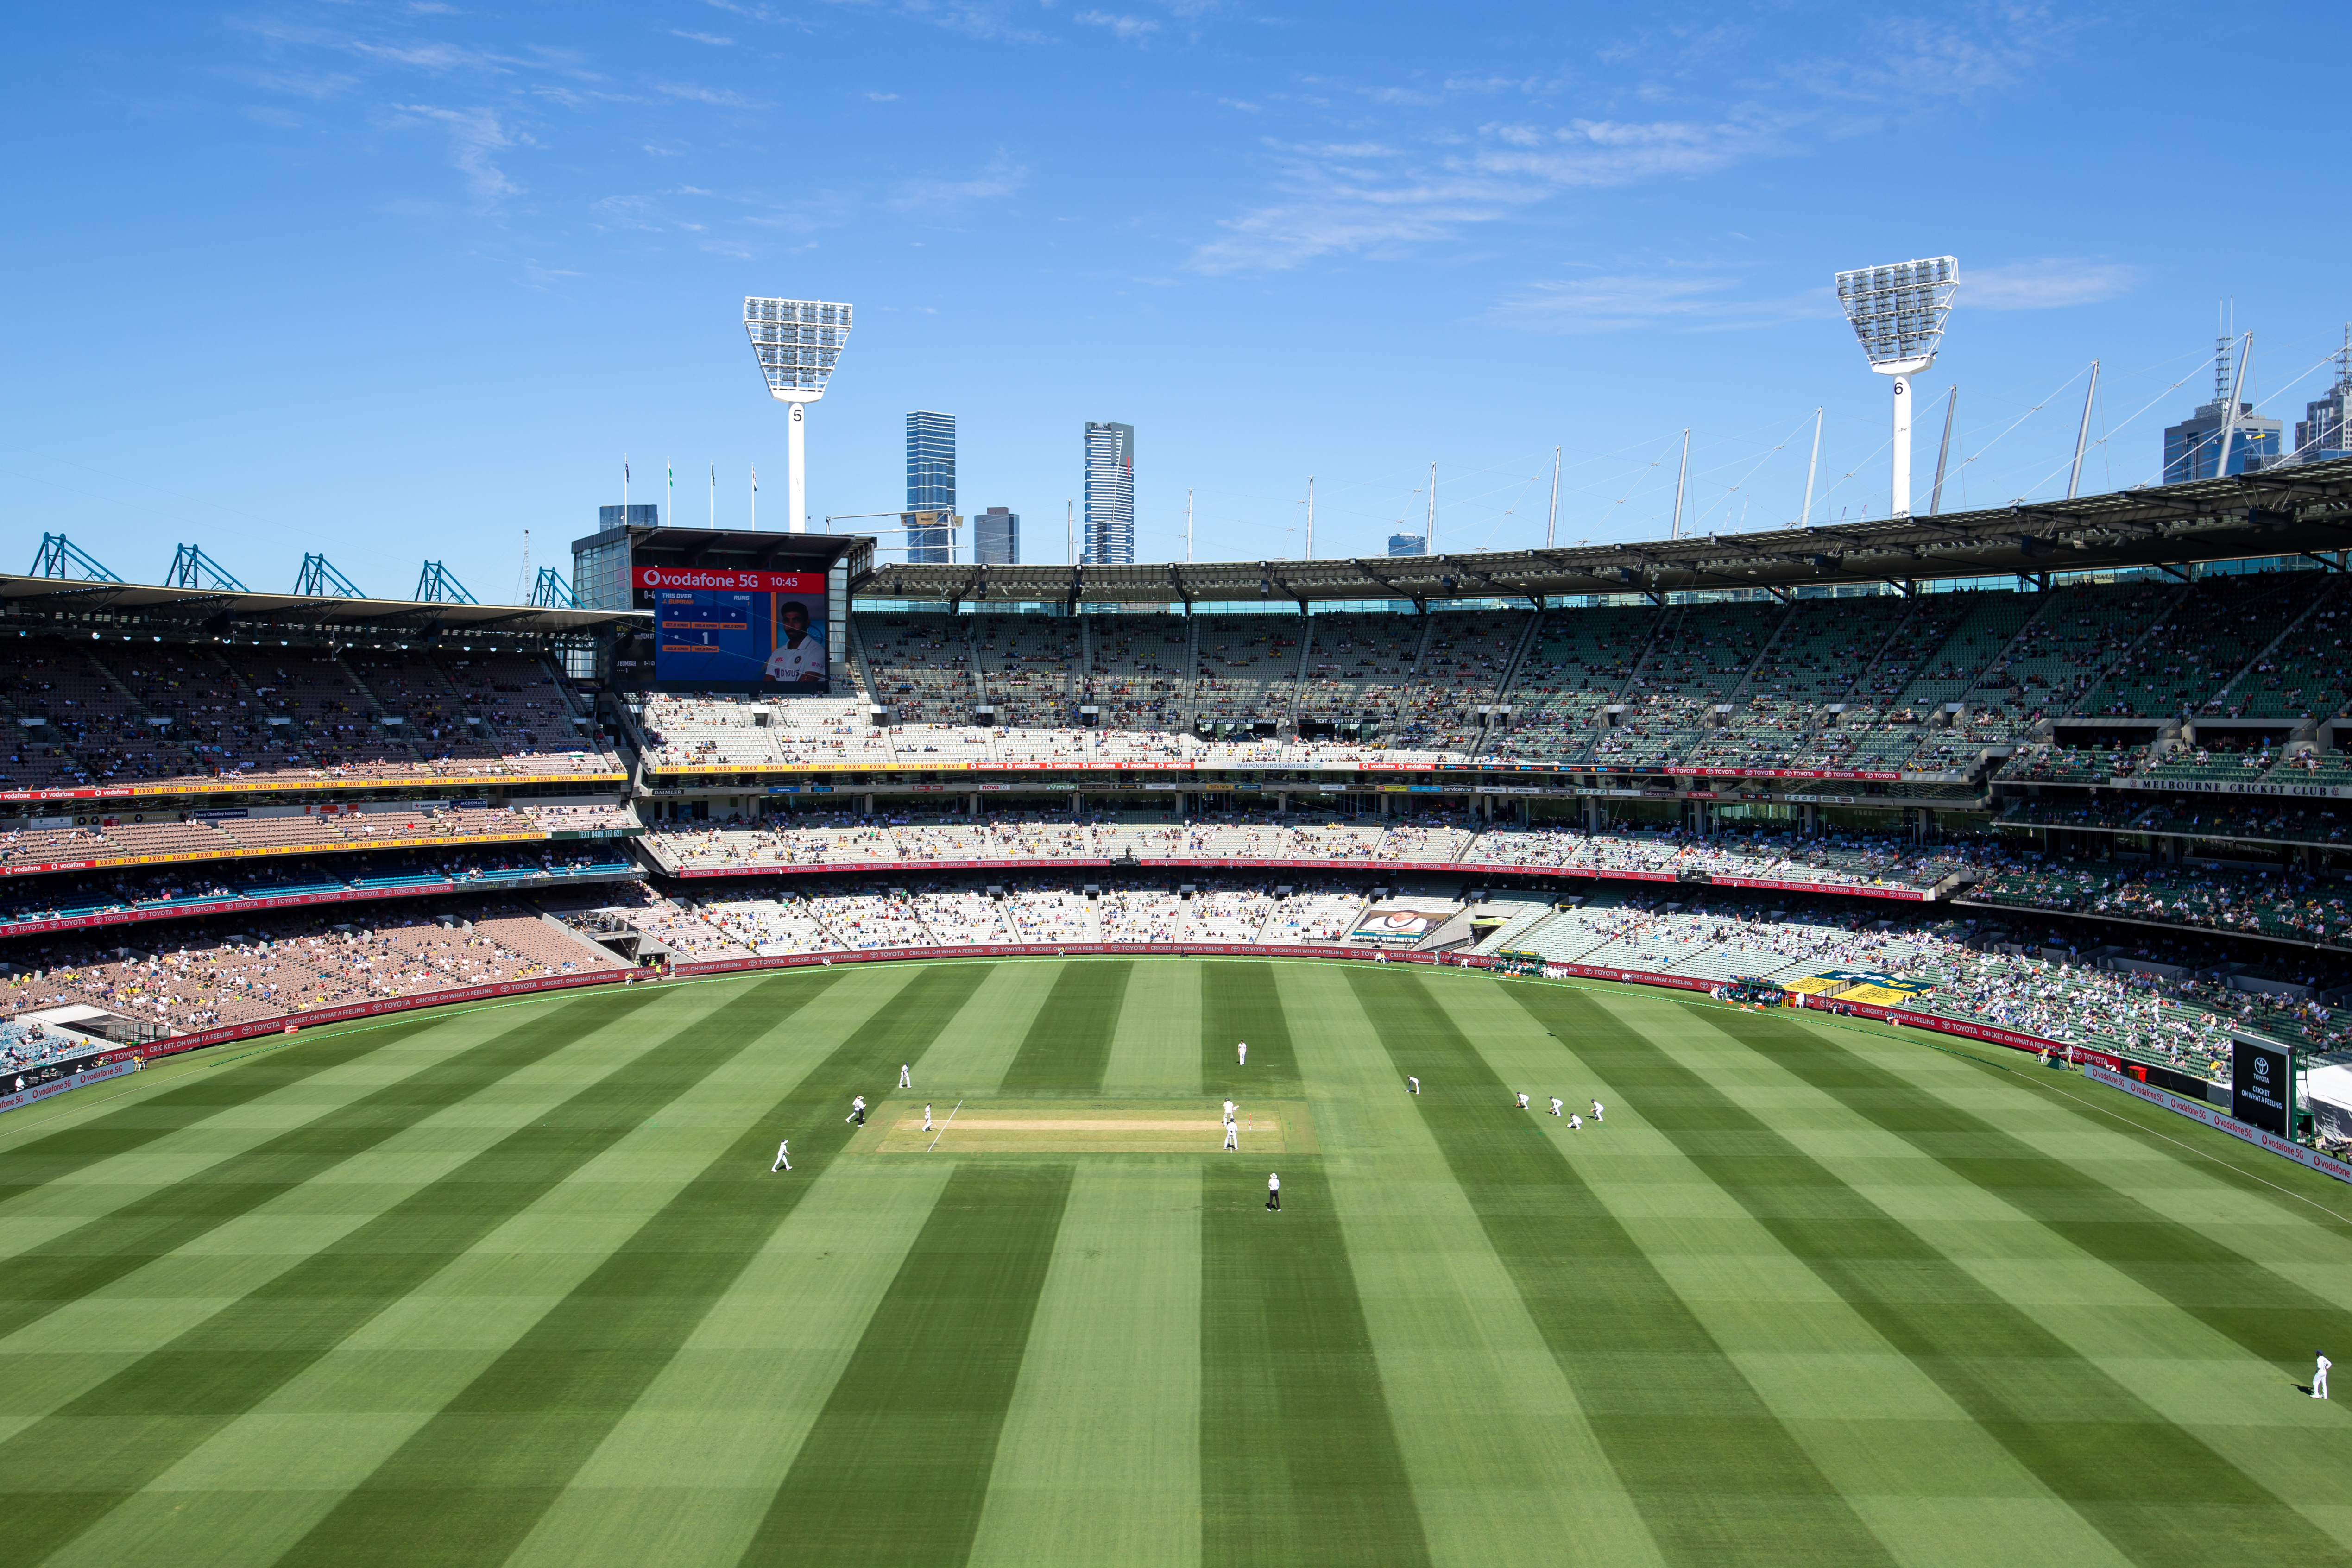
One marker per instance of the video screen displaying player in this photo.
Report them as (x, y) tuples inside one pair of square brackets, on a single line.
[(798, 660)]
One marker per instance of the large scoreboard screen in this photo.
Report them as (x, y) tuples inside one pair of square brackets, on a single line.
[(719, 629)]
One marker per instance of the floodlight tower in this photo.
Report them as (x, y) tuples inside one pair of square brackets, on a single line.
[(1898, 313), (797, 342)]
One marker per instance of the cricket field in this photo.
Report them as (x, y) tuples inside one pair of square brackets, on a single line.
[(514, 1284)]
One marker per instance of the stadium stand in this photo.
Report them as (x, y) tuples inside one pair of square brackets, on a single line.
[(1717, 787)]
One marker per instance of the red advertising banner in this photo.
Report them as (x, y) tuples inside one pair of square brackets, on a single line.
[(696, 577), (248, 783)]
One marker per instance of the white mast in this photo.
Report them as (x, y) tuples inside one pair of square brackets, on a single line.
[(1310, 517), (2230, 410), (1682, 477), (1551, 522), (2082, 439), (1805, 517), (1944, 447), (1188, 525), (1429, 534)]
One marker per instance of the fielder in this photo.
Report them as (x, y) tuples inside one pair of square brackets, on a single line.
[(1555, 1105), (783, 1157), (1274, 1192), (857, 1111), (1243, 1049), (926, 1118), (2319, 1377), (1412, 1085), (1232, 1136), (1596, 1110), (1230, 1109), (1576, 1123), (905, 1075), (1523, 1102)]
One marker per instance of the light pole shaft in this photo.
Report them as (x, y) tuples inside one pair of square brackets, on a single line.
[(1902, 487), (796, 469)]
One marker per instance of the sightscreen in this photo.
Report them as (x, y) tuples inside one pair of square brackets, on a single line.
[(717, 629)]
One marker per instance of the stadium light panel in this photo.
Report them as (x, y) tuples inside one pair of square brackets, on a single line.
[(798, 343), (1897, 313)]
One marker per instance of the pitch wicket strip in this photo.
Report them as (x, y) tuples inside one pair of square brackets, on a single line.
[(943, 1129)]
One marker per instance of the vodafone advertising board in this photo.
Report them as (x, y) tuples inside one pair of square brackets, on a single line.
[(719, 628)]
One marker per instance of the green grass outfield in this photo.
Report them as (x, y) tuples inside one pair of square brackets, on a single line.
[(513, 1284)]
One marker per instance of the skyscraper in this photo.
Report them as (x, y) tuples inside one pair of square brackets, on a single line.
[(2193, 446), (1408, 544), (1110, 494), (2325, 431), (996, 537), (930, 484)]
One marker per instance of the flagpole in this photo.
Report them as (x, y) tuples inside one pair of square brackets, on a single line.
[(669, 491), (714, 496), (755, 498)]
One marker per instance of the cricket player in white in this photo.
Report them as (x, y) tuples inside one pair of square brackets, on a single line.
[(1523, 1102), (1243, 1049), (1230, 1109), (2319, 1377), (1555, 1105), (1274, 1192), (1596, 1110), (1232, 1136), (1576, 1123), (798, 659), (857, 1111), (1414, 1085), (926, 1118), (905, 1075), (783, 1157)]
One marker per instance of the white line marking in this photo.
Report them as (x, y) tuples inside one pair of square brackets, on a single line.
[(943, 1129)]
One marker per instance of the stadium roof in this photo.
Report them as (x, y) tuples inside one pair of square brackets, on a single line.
[(194, 606), (2306, 510)]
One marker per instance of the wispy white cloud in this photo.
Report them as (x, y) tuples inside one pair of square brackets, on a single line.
[(475, 136), (718, 98), (1669, 296), (1360, 195), (1001, 177), (2044, 285), (715, 40), (882, 97), (1126, 27), (1675, 102)]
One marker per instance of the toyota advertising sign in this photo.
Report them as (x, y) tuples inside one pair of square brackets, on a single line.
[(2262, 1084)]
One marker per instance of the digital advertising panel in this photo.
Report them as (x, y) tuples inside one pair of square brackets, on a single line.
[(724, 630), (2262, 1079)]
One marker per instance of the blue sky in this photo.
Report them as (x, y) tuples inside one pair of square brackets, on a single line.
[(399, 280)]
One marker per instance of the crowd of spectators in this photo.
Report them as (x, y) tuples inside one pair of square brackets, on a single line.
[(193, 980)]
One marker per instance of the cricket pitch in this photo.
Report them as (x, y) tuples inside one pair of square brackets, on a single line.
[(1002, 1126)]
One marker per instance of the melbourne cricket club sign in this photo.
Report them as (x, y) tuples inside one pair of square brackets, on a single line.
[(2262, 1084)]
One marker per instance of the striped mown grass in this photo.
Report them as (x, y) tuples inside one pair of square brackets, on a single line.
[(515, 1284)]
